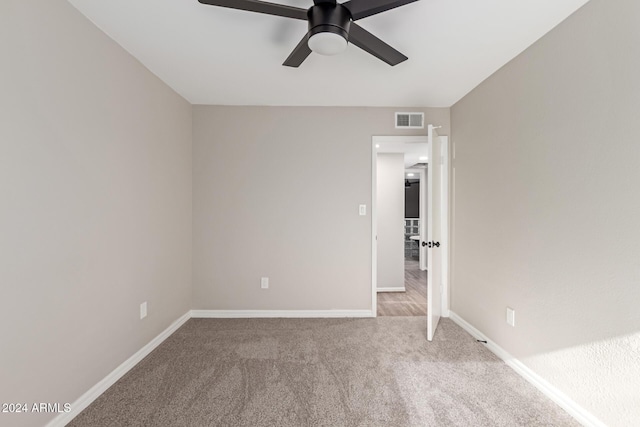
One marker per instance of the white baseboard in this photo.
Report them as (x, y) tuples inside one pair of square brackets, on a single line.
[(581, 415), (398, 289), (234, 314), (94, 392)]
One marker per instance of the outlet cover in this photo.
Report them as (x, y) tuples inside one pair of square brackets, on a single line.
[(264, 283), (511, 317), (143, 310)]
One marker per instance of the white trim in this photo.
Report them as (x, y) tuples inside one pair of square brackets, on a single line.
[(452, 225), (398, 289), (374, 226), (235, 314), (94, 392), (444, 226), (581, 415)]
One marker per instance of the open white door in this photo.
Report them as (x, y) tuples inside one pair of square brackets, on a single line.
[(434, 254)]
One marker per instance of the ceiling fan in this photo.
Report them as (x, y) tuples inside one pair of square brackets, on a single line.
[(331, 26)]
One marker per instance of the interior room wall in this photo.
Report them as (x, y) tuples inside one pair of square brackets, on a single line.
[(95, 195), (276, 194), (390, 220), (547, 207)]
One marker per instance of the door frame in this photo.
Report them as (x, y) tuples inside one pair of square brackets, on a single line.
[(445, 219), (446, 212)]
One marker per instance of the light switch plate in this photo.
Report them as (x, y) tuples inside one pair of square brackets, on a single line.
[(511, 317), (363, 210)]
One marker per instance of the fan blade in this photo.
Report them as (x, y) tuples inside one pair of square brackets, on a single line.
[(260, 7), (362, 8), (299, 54), (376, 47)]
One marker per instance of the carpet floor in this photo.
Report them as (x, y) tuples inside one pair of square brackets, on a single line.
[(321, 372)]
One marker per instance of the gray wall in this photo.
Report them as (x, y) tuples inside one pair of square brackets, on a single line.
[(390, 220), (276, 193), (95, 214), (547, 205)]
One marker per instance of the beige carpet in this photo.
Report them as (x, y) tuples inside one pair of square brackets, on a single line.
[(321, 372)]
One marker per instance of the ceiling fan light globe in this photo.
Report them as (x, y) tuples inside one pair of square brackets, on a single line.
[(327, 43)]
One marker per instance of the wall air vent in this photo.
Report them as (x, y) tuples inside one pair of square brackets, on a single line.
[(409, 120)]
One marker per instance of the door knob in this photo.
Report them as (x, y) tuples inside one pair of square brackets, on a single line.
[(431, 244)]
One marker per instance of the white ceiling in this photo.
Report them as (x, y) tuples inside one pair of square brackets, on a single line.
[(213, 55)]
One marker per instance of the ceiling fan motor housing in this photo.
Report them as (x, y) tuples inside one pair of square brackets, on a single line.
[(329, 18)]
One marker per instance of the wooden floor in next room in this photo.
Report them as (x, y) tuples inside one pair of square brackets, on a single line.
[(412, 302)]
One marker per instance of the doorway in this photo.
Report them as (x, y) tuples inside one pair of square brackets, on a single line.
[(400, 213), (437, 176)]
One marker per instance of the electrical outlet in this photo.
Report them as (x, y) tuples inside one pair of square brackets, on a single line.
[(264, 283), (143, 310), (511, 317)]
